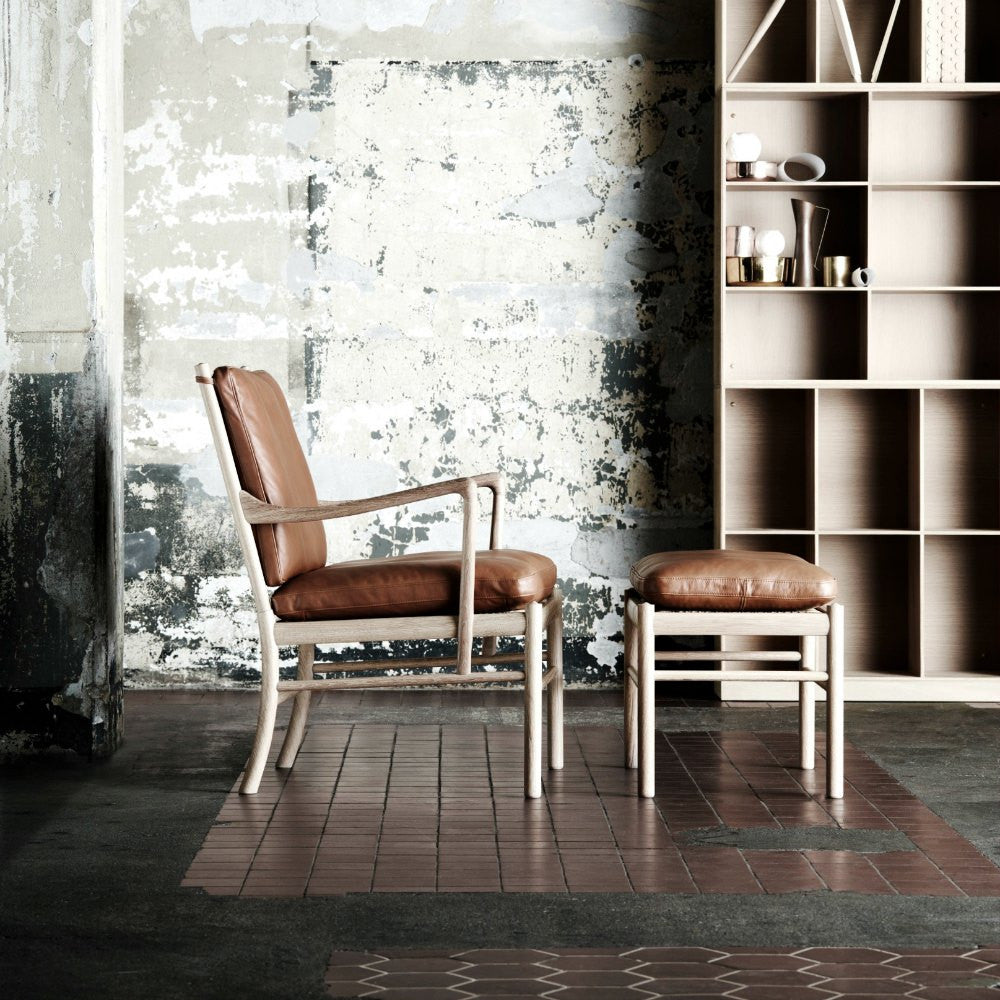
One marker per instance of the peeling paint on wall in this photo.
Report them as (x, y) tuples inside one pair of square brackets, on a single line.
[(450, 265), (58, 680)]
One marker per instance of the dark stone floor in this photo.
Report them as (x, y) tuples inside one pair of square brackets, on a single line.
[(91, 903)]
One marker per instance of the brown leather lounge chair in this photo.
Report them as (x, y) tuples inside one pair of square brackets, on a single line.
[(430, 595)]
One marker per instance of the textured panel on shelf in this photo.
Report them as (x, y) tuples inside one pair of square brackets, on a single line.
[(944, 41)]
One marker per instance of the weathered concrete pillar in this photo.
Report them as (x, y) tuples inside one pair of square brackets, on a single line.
[(60, 376)]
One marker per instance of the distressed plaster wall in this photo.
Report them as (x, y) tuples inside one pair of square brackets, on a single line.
[(60, 252), (463, 235)]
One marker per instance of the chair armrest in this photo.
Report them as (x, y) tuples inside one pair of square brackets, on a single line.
[(258, 512)]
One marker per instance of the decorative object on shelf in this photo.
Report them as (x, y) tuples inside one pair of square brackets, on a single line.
[(846, 38), (770, 243), (745, 146), (759, 270), (862, 277), (884, 47), (743, 162), (815, 165), (756, 37), (943, 31), (739, 270), (810, 227), (836, 272), (740, 241), (757, 170)]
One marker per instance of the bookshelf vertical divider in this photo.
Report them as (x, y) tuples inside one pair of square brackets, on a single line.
[(860, 428)]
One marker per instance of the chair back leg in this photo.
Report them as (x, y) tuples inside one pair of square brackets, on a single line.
[(266, 714), (807, 706), (554, 695), (533, 701), (300, 710), (629, 668), (835, 703)]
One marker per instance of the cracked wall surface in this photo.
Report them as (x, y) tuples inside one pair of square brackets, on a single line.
[(463, 235), (59, 680)]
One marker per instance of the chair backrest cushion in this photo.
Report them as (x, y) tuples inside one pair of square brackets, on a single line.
[(272, 467)]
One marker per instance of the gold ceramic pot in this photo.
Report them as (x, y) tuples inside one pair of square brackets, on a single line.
[(837, 272), (760, 270)]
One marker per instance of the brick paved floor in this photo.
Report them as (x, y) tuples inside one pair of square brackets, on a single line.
[(678, 973), (439, 808)]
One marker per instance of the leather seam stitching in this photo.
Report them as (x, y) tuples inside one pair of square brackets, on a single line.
[(730, 593), (425, 600), (743, 579), (363, 586)]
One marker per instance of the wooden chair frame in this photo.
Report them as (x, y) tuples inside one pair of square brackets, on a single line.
[(536, 620), (643, 623)]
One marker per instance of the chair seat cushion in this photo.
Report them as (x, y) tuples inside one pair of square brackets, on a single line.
[(424, 583), (727, 580)]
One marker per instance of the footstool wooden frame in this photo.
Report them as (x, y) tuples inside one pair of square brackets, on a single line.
[(643, 623)]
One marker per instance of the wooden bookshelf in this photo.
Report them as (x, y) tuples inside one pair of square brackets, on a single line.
[(860, 428)]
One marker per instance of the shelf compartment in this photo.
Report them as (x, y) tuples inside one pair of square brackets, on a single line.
[(801, 544), (934, 335), (982, 29), (833, 127), (867, 460), (811, 337), (877, 582), (782, 55), (961, 590), (772, 209), (935, 139), (869, 19), (768, 459), (935, 238), (961, 459)]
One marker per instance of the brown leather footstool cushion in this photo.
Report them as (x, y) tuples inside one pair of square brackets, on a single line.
[(727, 580), (420, 583)]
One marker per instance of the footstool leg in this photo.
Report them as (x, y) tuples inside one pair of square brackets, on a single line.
[(631, 691), (647, 708), (835, 704), (807, 706), (533, 702), (554, 695)]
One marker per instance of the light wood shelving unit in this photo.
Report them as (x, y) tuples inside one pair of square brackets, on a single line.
[(860, 428)]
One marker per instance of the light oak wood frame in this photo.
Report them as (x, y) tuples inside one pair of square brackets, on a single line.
[(540, 623), (643, 623)]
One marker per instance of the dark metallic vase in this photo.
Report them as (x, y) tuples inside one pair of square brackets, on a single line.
[(810, 225)]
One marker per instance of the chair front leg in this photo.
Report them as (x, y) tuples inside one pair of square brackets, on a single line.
[(554, 643), (807, 706), (300, 710), (631, 692), (533, 701), (266, 714), (835, 703), (647, 706)]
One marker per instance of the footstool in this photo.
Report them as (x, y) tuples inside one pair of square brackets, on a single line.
[(732, 593)]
